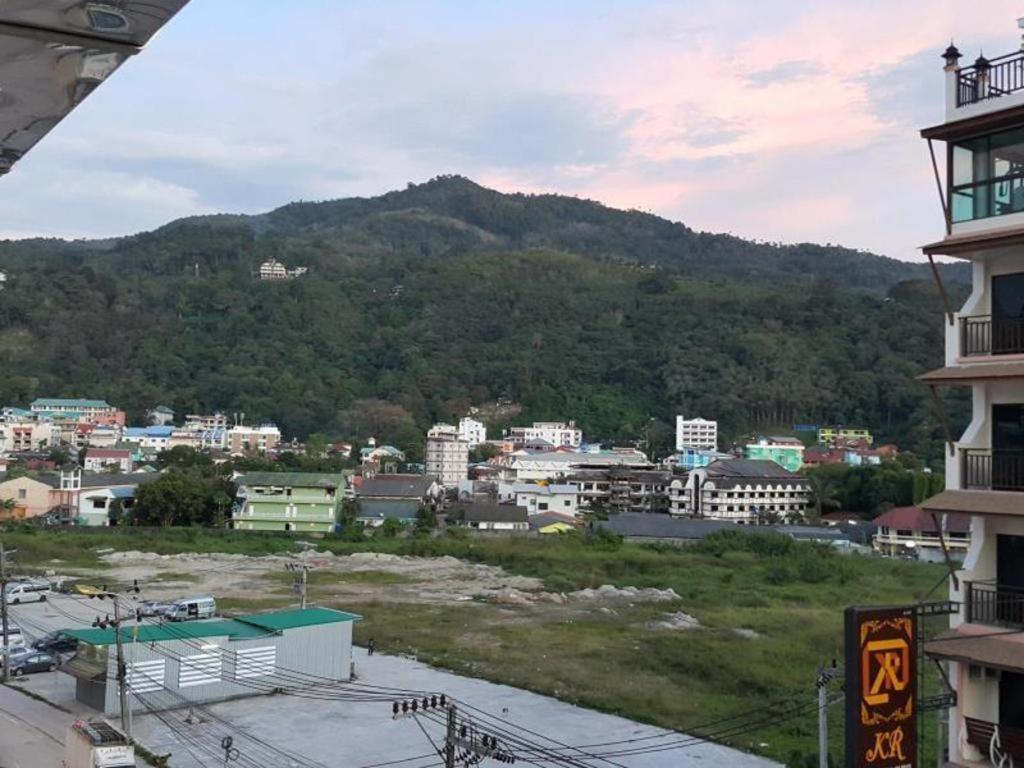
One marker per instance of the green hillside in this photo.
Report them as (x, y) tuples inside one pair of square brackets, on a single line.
[(422, 302)]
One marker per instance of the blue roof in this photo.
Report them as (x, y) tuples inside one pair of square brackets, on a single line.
[(148, 431), (122, 493)]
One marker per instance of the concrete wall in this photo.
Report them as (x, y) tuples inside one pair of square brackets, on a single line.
[(36, 498)]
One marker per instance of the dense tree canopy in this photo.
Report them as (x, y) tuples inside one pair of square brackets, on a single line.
[(423, 302)]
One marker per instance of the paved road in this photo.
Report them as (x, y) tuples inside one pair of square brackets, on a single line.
[(31, 732)]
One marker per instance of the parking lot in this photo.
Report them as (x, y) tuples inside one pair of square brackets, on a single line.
[(341, 729)]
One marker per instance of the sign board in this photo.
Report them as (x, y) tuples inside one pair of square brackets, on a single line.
[(881, 687)]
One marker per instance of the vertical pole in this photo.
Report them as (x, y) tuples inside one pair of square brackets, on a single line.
[(305, 576), (3, 611), (822, 721), (122, 670), (449, 740)]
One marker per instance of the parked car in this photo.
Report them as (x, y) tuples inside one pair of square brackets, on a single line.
[(192, 608), (56, 642), (14, 651), (33, 661), (27, 592), (151, 608)]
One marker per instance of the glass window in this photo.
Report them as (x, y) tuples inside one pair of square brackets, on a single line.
[(987, 176)]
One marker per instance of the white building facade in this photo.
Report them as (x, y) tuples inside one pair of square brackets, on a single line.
[(472, 432), (741, 491), (559, 434), (446, 457), (984, 216), (700, 434)]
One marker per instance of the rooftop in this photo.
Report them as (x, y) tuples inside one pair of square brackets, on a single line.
[(290, 479), (748, 468), (401, 486), (917, 519), (68, 402)]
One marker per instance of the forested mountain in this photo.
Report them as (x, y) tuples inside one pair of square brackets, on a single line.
[(422, 302)]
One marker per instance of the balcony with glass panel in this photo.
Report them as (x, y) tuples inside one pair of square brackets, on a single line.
[(987, 176)]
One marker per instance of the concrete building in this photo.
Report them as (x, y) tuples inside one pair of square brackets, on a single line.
[(19, 436), (30, 496), (840, 434), (307, 502), (156, 437), (160, 416), (261, 439), (480, 516), (472, 432), (741, 491), (395, 496), (272, 269), (198, 662), (99, 459), (621, 489), (698, 434), (556, 433), (693, 458), (536, 498), (446, 456), (558, 465), (78, 409), (787, 452), (984, 214), (912, 532)]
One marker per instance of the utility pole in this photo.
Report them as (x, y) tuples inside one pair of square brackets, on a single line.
[(825, 675), (122, 671), (449, 739), (3, 609)]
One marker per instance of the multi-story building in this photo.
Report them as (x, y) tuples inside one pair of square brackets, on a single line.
[(447, 455), (558, 465), (693, 458), (261, 439), (78, 409), (841, 434), (535, 498), (19, 436), (742, 491), (157, 438), (100, 459), (287, 501), (557, 433), (272, 269), (622, 489), (983, 210), (700, 434), (912, 532), (204, 421), (471, 431), (787, 452)]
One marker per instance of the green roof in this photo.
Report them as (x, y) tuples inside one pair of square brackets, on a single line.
[(256, 625), (280, 620), (291, 479), (69, 402)]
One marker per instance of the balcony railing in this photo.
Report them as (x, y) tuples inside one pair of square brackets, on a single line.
[(997, 605), (994, 741), (988, 335), (1002, 76), (982, 469)]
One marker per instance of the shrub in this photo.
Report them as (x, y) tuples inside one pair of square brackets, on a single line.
[(778, 573)]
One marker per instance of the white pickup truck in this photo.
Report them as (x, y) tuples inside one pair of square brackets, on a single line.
[(96, 744)]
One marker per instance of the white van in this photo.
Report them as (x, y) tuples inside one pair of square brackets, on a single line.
[(27, 592), (191, 608)]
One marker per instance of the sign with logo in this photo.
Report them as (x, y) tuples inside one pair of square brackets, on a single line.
[(881, 687)]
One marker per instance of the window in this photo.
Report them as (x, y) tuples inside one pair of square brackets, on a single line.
[(986, 176), (99, 503), (22, 494), (255, 662), (146, 676), (200, 669)]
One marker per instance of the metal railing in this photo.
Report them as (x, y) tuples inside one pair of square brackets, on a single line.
[(983, 469), (1002, 76), (997, 605), (988, 335)]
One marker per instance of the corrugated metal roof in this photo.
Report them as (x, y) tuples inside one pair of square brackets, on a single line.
[(281, 620), (69, 402), (291, 479)]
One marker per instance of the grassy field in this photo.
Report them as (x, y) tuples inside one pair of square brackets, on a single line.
[(787, 598)]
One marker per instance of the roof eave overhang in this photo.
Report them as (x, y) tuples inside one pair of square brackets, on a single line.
[(974, 126)]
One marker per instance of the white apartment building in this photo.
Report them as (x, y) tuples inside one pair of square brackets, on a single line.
[(447, 456), (559, 434), (983, 213), (741, 491), (698, 433), (261, 439), (535, 498), (472, 432), (558, 465)]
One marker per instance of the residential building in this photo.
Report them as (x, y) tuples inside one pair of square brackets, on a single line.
[(78, 409), (307, 502), (161, 416), (95, 504), (699, 434), (840, 434), (693, 458), (208, 661), (156, 437), (482, 516), (787, 452), (272, 269), (557, 433), (30, 495), (380, 455), (261, 439), (99, 459), (622, 489), (558, 465), (742, 491), (20, 436), (472, 432), (912, 532), (395, 496), (536, 498), (983, 132), (201, 422), (85, 497), (96, 435), (447, 455)]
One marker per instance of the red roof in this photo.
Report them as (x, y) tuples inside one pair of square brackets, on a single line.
[(108, 453), (916, 519)]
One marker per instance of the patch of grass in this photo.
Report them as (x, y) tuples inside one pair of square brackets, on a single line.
[(175, 576), (240, 605)]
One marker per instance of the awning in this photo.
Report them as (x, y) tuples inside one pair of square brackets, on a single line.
[(972, 126), (1004, 503), (970, 372), (976, 644), (963, 245)]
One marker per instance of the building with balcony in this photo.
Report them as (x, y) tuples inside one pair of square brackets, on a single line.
[(741, 491), (700, 434), (621, 489), (787, 452), (557, 433), (471, 431), (287, 501), (912, 532), (983, 213), (262, 439), (447, 455), (841, 434)]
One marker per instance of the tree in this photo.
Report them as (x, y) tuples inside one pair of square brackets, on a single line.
[(426, 521), (115, 512), (391, 527), (483, 452)]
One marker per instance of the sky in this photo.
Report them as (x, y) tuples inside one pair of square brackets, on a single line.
[(780, 121)]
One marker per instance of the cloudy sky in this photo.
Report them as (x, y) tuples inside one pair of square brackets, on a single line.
[(792, 121)]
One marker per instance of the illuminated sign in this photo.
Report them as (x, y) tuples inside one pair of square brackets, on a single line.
[(881, 688)]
